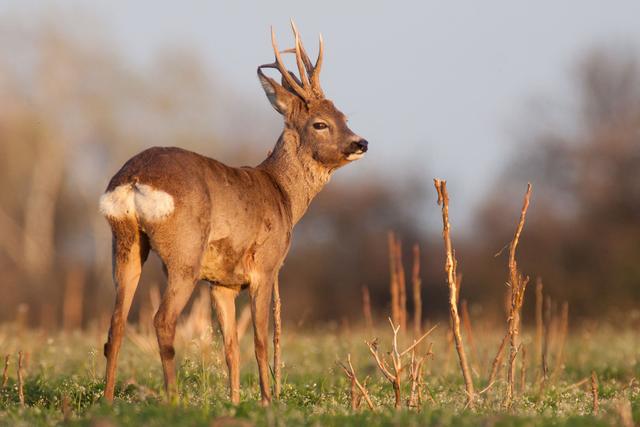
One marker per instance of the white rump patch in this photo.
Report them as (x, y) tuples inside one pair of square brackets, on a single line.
[(139, 200), (152, 204), (118, 203)]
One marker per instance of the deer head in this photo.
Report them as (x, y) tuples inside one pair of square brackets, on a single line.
[(321, 129)]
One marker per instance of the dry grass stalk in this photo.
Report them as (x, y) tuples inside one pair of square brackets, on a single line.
[(450, 269), (5, 371), (539, 329), (277, 331), (497, 361), (417, 292), (415, 377), (402, 286), (73, 297), (564, 330), (66, 408), (518, 286), (594, 392), (545, 343), (393, 283), (366, 309), (356, 385), (396, 355), (523, 370), (20, 379)]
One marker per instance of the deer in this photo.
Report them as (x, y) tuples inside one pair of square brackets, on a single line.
[(230, 227)]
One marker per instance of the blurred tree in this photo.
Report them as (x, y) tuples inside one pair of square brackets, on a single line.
[(583, 234), (71, 112)]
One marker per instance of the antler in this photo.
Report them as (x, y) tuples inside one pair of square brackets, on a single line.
[(308, 86)]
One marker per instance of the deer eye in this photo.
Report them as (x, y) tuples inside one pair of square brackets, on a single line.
[(320, 125)]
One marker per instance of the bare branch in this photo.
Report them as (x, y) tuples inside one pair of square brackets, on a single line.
[(450, 270)]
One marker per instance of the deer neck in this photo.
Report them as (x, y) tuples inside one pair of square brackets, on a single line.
[(299, 176)]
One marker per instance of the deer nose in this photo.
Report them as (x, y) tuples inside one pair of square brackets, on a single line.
[(362, 145)]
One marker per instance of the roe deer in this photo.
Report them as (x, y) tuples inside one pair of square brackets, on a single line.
[(225, 225)]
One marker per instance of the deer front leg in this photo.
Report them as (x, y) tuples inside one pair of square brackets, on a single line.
[(175, 297), (225, 305), (260, 293)]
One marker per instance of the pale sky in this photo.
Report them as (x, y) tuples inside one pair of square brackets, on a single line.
[(435, 86)]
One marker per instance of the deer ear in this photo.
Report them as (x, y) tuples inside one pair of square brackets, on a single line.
[(279, 97)]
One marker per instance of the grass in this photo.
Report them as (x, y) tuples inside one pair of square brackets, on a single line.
[(69, 366)]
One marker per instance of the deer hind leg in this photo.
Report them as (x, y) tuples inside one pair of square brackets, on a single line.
[(260, 294), (224, 300), (181, 283), (130, 250)]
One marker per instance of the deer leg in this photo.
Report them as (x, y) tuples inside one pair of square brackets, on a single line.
[(176, 296), (225, 305), (129, 253), (260, 293)]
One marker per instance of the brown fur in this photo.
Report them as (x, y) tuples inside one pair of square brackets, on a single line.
[(230, 226)]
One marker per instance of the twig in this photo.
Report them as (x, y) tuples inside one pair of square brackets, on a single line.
[(277, 331), (366, 308), (417, 295), (416, 342), (402, 285), (497, 361), (351, 374), (486, 389), (65, 408), (594, 392), (450, 269), (518, 287), (415, 375), (396, 361), (20, 380), (5, 371), (545, 343), (393, 279)]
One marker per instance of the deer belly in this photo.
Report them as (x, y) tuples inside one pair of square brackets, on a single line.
[(223, 265)]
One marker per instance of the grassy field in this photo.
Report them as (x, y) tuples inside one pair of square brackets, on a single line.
[(63, 381)]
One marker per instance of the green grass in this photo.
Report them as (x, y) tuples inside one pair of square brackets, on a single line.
[(315, 391)]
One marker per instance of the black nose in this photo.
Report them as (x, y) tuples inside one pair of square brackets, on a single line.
[(362, 144)]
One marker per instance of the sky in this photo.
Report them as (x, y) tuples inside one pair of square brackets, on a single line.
[(436, 87)]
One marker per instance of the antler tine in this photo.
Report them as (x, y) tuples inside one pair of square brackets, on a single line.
[(315, 76), (283, 70), (305, 58), (299, 59)]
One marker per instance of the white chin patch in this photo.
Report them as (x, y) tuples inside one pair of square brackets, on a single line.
[(355, 156), (139, 200)]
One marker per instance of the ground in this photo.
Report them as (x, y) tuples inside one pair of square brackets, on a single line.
[(68, 367)]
